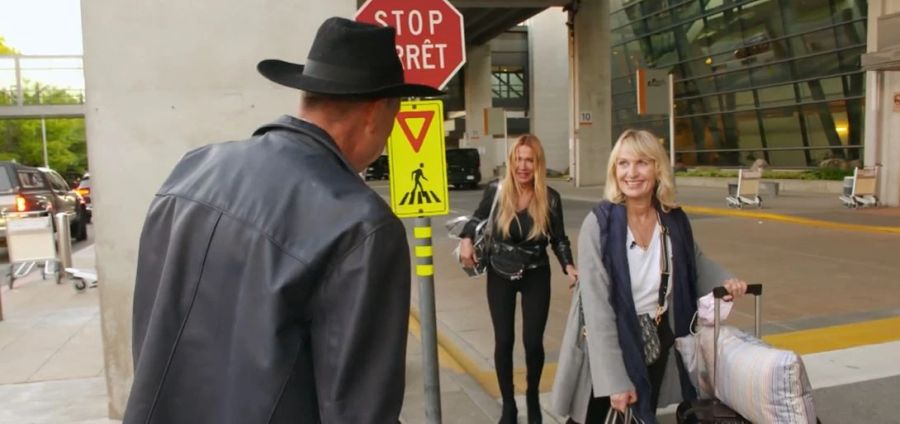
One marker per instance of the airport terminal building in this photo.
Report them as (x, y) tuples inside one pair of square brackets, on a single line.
[(772, 79), (790, 81)]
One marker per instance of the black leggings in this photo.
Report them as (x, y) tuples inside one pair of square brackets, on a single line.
[(501, 294)]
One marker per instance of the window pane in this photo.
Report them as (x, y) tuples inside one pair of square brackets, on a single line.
[(776, 96), (783, 130)]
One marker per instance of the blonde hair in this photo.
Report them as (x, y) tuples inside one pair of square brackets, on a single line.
[(539, 207), (646, 145)]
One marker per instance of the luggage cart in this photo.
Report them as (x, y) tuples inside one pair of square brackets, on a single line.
[(859, 190), (82, 278), (747, 190), (30, 240)]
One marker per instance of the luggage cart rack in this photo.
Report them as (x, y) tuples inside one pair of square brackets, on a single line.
[(30, 241)]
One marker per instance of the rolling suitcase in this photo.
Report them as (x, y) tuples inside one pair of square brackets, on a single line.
[(705, 411)]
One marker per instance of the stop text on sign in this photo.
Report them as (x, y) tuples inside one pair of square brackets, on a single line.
[(428, 55), (430, 39)]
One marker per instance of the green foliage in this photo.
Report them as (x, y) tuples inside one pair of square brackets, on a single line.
[(21, 140), (707, 172), (831, 173), (4, 49), (810, 174), (35, 93)]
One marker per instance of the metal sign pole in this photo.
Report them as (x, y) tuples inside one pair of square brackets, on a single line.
[(672, 121), (1, 293), (44, 140), (427, 320), (505, 139)]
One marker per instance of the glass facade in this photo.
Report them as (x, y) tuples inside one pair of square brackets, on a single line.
[(773, 79)]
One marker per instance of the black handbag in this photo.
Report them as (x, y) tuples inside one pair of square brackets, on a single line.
[(650, 324)]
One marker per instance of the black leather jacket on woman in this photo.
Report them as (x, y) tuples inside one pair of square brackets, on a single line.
[(520, 228)]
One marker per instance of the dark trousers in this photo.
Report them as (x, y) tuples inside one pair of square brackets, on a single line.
[(599, 406), (501, 294)]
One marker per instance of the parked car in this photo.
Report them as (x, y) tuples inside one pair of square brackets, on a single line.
[(26, 190), (463, 168), (379, 169), (84, 189)]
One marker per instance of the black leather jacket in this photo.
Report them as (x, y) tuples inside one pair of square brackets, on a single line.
[(558, 240), (272, 287)]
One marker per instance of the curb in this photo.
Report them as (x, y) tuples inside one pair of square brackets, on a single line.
[(486, 378), (791, 219), (802, 342)]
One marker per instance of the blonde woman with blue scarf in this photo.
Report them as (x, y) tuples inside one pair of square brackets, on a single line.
[(640, 273)]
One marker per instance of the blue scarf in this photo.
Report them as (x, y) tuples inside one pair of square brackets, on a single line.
[(613, 221)]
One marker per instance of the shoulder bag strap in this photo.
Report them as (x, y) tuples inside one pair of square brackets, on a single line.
[(664, 270), (490, 219)]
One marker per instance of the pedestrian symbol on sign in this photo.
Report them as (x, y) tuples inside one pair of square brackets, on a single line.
[(419, 195)]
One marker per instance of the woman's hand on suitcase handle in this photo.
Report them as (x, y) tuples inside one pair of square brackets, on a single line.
[(736, 288), (620, 401)]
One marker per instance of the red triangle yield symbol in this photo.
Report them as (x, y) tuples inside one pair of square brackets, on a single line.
[(415, 140)]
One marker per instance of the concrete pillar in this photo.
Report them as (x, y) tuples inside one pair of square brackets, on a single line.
[(593, 111), (164, 77), (478, 97), (550, 94), (882, 139)]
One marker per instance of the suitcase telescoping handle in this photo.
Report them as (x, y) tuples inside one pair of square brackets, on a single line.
[(719, 293), (754, 289)]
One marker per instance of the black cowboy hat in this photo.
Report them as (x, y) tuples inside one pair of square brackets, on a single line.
[(348, 58)]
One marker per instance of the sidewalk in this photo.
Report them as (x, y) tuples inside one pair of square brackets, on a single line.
[(829, 273), (51, 361), (51, 355), (822, 285)]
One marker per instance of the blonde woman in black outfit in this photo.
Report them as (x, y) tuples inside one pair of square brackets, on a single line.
[(528, 216)]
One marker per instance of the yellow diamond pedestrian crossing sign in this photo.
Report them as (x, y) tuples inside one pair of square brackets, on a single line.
[(418, 160)]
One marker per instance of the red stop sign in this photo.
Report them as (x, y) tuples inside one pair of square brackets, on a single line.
[(430, 40)]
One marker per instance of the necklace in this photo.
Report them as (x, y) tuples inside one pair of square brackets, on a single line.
[(642, 231)]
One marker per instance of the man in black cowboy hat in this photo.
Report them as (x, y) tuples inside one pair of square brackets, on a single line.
[(272, 283)]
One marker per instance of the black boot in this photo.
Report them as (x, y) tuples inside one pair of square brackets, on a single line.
[(532, 398), (510, 413)]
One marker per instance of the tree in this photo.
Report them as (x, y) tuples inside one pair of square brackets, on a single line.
[(21, 139), (4, 49)]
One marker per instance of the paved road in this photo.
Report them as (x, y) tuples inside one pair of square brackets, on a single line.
[(815, 278)]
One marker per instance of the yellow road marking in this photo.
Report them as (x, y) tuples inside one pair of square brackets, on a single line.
[(444, 359), (802, 342), (837, 337), (791, 219)]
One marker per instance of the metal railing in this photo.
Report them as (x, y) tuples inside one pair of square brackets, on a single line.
[(41, 80)]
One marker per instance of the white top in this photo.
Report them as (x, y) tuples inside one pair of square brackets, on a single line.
[(643, 265)]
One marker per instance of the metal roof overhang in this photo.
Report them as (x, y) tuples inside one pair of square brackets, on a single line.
[(42, 111), (486, 19), (886, 56), (882, 61)]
